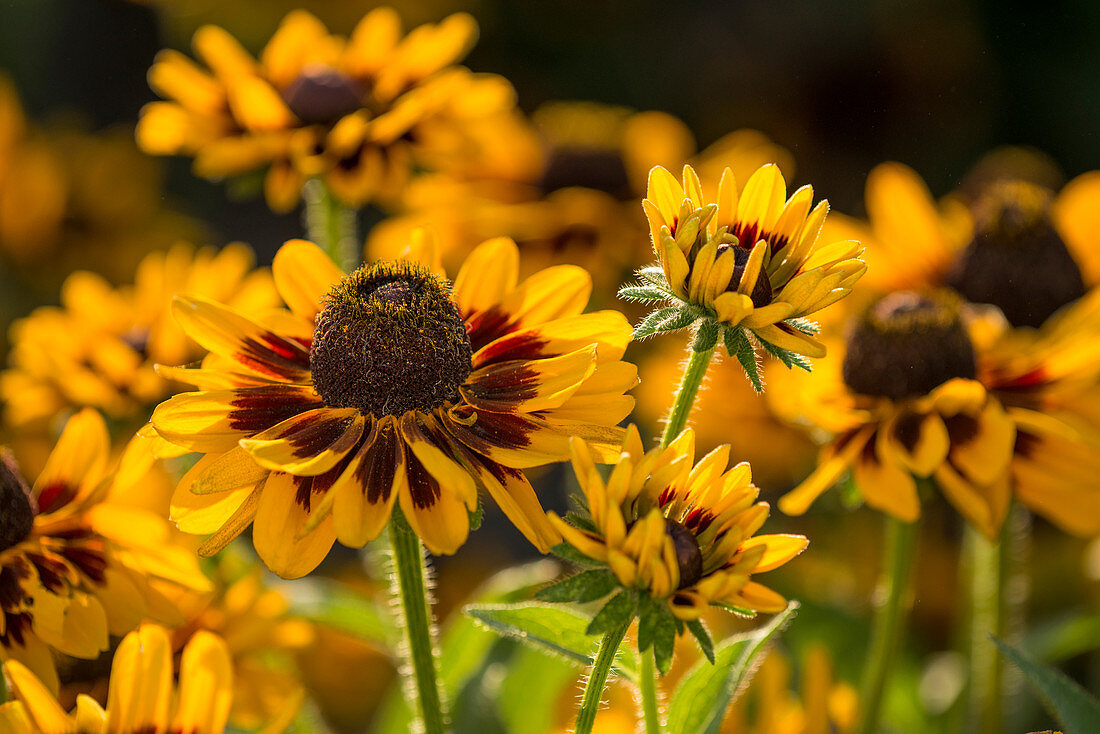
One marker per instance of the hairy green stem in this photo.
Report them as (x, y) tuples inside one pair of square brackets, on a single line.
[(412, 591), (331, 225), (694, 372), (647, 685), (987, 564), (892, 606), (593, 690)]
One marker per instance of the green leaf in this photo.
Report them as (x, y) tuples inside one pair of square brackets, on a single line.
[(787, 357), (704, 694), (641, 292), (664, 641), (681, 319), (738, 347), (1073, 706), (706, 336), (550, 628), (618, 610), (342, 608), (648, 325), (567, 552), (705, 643), (806, 326), (531, 690), (585, 586)]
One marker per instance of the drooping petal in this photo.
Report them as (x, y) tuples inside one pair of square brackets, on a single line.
[(983, 506), (366, 491), (780, 549), (887, 486), (303, 275), (436, 513), (284, 509)]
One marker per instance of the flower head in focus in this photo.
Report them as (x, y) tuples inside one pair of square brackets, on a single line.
[(360, 112), (389, 386), (143, 695), (742, 263), (673, 537), (77, 561)]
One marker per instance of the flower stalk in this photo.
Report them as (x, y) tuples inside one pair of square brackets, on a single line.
[(893, 601), (593, 690), (331, 225), (411, 590), (694, 372), (988, 566)]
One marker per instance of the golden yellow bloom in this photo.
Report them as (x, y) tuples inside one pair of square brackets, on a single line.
[(679, 531), (1018, 247), (387, 386), (749, 259), (770, 706), (360, 112), (143, 697), (918, 392), (99, 347), (564, 185), (77, 561), (72, 199)]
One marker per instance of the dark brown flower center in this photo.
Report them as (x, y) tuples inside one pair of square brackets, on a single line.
[(689, 559), (1017, 261), (762, 290), (389, 340), (321, 95), (17, 505), (908, 344), (593, 168)]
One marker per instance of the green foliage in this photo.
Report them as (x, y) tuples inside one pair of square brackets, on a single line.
[(643, 292), (806, 326), (583, 587), (738, 346), (1073, 706), (701, 700), (657, 628), (670, 318), (699, 630), (552, 629), (787, 357), (567, 552), (530, 691), (618, 610), (706, 336)]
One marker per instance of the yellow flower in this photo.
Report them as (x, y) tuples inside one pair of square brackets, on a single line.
[(360, 112), (76, 562), (564, 185), (73, 199), (99, 347), (918, 393), (143, 697), (749, 259), (680, 532), (769, 706), (387, 386), (1018, 247)]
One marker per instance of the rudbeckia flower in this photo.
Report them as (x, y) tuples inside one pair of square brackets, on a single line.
[(679, 533), (143, 696), (927, 389), (77, 564), (98, 348), (388, 386), (746, 260), (360, 112)]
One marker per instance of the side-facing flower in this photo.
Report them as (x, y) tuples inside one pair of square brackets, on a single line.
[(929, 388), (748, 262), (389, 386), (143, 696), (98, 349), (360, 112), (78, 564), (674, 537)]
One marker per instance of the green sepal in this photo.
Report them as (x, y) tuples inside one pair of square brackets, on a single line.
[(681, 319), (706, 336), (739, 611), (642, 292), (657, 628), (738, 347), (706, 644), (787, 357), (619, 610), (567, 552), (582, 587), (655, 275), (578, 520), (806, 326), (648, 325), (476, 515)]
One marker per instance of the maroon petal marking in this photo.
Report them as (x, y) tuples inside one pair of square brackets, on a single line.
[(484, 327), (423, 487), (55, 496), (527, 344), (377, 470), (92, 561), (52, 572), (307, 487), (255, 409), (498, 429)]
